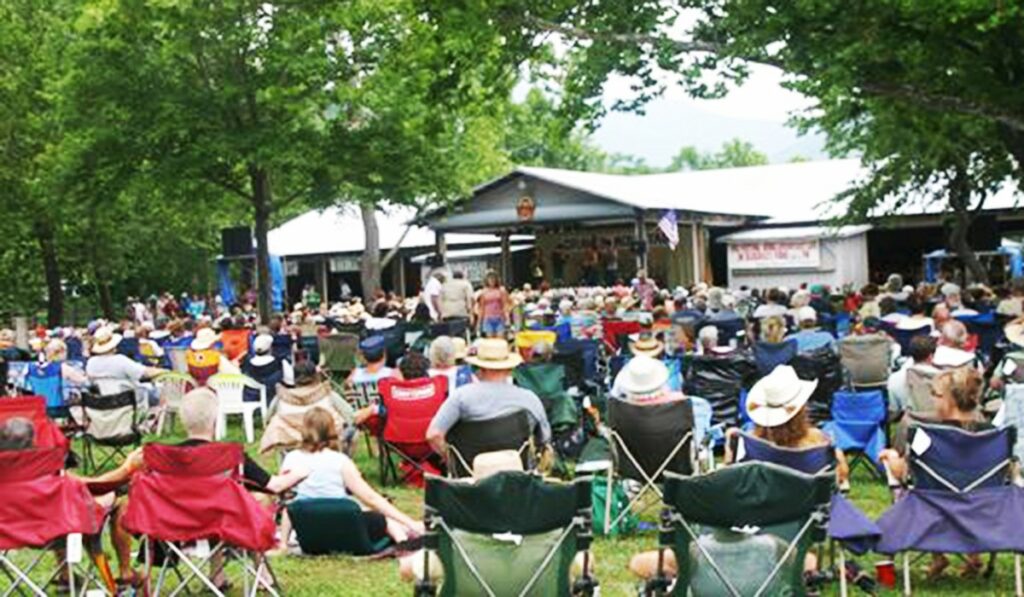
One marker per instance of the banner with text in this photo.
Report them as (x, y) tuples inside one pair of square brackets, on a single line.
[(775, 254)]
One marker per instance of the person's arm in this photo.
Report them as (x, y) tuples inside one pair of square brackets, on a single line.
[(507, 302), (121, 474), (285, 480), (444, 420), (362, 491), (287, 373)]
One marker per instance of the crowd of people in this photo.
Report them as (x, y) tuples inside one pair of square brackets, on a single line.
[(314, 421)]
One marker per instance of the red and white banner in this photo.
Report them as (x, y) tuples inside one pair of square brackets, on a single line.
[(776, 254)]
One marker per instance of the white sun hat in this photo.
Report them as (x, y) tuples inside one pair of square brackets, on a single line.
[(778, 397)]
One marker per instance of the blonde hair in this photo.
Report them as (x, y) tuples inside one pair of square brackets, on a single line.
[(773, 329), (318, 431), (963, 386)]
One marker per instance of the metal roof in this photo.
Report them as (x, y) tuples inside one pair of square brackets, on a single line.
[(796, 233)]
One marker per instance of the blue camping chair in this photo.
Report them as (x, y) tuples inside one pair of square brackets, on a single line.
[(74, 346), (811, 461), (961, 498), (904, 337), (563, 331), (769, 355), (588, 350), (986, 327), (129, 347), (841, 324), (46, 380), (282, 347), (858, 426)]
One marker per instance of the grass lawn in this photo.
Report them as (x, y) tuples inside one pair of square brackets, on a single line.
[(341, 575)]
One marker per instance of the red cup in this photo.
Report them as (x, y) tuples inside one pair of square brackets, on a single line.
[(885, 573)]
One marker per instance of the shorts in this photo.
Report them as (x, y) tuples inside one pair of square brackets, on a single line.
[(492, 326)]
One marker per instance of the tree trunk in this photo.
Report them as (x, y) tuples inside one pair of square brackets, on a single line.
[(51, 270), (960, 201), (106, 303), (369, 264), (262, 202)]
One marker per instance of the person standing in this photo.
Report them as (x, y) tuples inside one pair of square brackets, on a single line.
[(611, 263), (493, 307), (456, 297), (432, 293), (645, 289)]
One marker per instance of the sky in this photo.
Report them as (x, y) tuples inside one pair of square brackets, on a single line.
[(755, 112)]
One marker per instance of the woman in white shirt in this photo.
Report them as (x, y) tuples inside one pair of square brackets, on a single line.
[(334, 475)]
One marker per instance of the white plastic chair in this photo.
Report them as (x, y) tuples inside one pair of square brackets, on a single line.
[(173, 386), (230, 389)]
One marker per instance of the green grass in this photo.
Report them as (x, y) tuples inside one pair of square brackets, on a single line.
[(343, 575)]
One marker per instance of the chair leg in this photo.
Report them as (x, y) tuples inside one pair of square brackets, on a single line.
[(842, 573), (1018, 587), (906, 574), (250, 432), (608, 504)]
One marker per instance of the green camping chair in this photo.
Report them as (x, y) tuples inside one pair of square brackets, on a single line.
[(328, 525), (742, 530), (510, 534), (547, 381), (339, 355)]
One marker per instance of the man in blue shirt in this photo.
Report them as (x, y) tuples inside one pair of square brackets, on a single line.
[(810, 337)]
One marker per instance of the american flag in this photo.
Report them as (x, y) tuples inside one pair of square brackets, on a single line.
[(669, 226)]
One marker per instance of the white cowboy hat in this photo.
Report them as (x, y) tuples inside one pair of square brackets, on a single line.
[(494, 353), (778, 397), (205, 338), (461, 350), (104, 340), (642, 375)]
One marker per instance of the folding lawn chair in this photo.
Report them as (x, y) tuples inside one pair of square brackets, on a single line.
[(283, 347), (110, 424), (510, 534), (961, 500), (547, 381), (47, 433), (648, 440), (235, 342), (986, 327), (468, 439), (769, 355), (811, 461), (339, 355), (821, 365), (47, 380), (720, 380), (189, 505), (326, 526), (173, 386), (579, 355), (177, 356), (1012, 415), (866, 359), (409, 406), (742, 530), (48, 512), (394, 343), (905, 337), (129, 347), (230, 389), (526, 339), (858, 427), (613, 332)]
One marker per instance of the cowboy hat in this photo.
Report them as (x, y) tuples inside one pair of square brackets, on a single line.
[(642, 375), (205, 339), (494, 353), (105, 340), (461, 350), (778, 397), (1015, 332), (647, 346), (488, 463)]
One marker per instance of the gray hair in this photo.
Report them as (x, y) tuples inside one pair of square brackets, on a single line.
[(708, 335), (198, 412), (17, 434), (442, 352), (542, 350)]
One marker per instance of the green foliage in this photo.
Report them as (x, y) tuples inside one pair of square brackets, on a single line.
[(734, 154)]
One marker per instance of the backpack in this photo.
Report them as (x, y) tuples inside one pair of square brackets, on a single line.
[(619, 501)]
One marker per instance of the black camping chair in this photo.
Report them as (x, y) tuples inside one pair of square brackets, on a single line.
[(468, 439), (110, 425), (824, 366), (647, 440), (720, 380)]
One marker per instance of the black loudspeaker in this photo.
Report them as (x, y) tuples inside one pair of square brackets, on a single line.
[(236, 242)]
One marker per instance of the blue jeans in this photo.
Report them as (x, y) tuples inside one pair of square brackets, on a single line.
[(492, 326)]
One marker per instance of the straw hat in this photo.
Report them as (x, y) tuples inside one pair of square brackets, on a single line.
[(494, 353), (648, 346), (105, 340), (205, 339), (778, 397), (1015, 332), (642, 375), (488, 463)]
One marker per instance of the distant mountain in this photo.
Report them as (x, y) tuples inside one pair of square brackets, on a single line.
[(668, 125)]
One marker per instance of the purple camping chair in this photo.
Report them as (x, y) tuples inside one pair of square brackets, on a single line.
[(961, 499), (847, 525)]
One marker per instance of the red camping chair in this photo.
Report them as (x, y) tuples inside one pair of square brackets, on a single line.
[(195, 495), (235, 343), (409, 406), (612, 330), (42, 509), (33, 408)]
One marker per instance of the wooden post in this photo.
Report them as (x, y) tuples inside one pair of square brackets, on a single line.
[(641, 237), (441, 247), (401, 275), (696, 248), (506, 260), (325, 273)]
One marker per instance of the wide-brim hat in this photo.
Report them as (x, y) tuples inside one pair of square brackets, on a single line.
[(204, 340), (778, 397), (104, 340), (494, 353), (1015, 332), (647, 346), (460, 346), (642, 375)]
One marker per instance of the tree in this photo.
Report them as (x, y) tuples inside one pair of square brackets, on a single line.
[(734, 154)]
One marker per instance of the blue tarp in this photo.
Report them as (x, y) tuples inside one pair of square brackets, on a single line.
[(224, 285), (227, 288)]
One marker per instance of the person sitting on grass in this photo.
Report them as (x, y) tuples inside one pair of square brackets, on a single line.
[(777, 404), (332, 474), (957, 396), (198, 412)]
